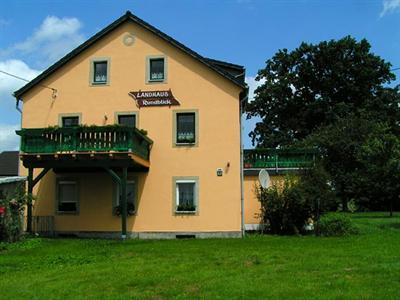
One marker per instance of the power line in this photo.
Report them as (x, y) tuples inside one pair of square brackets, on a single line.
[(26, 80)]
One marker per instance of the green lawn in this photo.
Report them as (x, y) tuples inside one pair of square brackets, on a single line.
[(366, 266)]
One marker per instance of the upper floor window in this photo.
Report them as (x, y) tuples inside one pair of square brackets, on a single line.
[(70, 121), (99, 70), (156, 69), (127, 120), (186, 128)]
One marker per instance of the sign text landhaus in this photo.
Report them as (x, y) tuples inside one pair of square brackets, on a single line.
[(154, 98)]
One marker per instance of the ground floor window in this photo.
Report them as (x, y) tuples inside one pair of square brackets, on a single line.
[(67, 196), (131, 191), (186, 195)]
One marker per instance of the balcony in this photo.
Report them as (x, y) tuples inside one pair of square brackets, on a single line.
[(279, 159), (90, 142)]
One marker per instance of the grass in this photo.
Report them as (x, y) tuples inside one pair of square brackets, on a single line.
[(364, 266)]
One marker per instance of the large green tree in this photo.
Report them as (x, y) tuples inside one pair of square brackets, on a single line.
[(362, 156), (315, 85)]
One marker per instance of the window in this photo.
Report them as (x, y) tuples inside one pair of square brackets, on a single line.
[(67, 195), (100, 72), (157, 71), (131, 193), (186, 196), (186, 128), (70, 121), (127, 120)]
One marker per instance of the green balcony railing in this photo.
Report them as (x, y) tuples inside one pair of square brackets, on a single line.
[(279, 158), (85, 139)]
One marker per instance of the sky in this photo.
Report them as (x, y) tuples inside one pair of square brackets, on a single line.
[(35, 34)]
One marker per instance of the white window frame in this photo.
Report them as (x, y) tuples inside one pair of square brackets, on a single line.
[(177, 182)]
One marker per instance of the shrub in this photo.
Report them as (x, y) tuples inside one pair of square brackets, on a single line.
[(336, 224), (283, 208), (288, 207), (11, 218)]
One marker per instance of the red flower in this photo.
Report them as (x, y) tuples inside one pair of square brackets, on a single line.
[(2, 210)]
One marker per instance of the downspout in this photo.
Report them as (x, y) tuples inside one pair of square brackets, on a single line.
[(243, 99), (17, 106), (20, 111)]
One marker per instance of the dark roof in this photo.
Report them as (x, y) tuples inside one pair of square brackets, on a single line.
[(128, 16), (237, 71), (9, 163)]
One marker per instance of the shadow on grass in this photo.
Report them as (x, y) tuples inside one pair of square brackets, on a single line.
[(383, 216), (390, 226)]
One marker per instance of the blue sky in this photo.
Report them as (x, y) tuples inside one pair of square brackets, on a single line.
[(34, 34)]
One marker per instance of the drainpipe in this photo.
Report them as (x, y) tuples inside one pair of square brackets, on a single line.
[(17, 105), (243, 99)]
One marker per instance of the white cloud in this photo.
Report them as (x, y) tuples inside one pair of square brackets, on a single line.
[(389, 6), (53, 39), (253, 85), (9, 84), (9, 140)]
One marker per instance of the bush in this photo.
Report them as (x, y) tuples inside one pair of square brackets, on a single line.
[(287, 207), (283, 208), (12, 212), (336, 224)]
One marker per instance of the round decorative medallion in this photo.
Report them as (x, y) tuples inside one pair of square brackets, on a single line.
[(128, 39)]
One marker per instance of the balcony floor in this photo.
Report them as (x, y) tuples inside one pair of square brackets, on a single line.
[(84, 160)]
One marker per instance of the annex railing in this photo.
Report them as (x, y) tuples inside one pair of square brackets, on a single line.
[(279, 158), (85, 139)]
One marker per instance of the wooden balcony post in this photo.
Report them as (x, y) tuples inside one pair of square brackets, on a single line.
[(123, 202), (29, 204)]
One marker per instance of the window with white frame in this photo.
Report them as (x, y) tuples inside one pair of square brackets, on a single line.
[(131, 195), (186, 196), (68, 196)]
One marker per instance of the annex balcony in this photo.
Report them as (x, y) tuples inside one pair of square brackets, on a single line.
[(90, 145), (279, 159)]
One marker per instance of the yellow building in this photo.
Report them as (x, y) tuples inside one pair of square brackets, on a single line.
[(134, 134), (134, 110)]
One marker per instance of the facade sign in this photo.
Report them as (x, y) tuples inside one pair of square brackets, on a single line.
[(154, 98)]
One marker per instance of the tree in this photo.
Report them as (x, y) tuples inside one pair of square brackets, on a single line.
[(362, 156), (315, 85), (339, 145), (380, 157)]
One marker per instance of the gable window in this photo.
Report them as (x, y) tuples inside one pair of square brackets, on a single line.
[(70, 121), (156, 69), (100, 72), (131, 194), (186, 128), (186, 196), (127, 120), (67, 196)]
